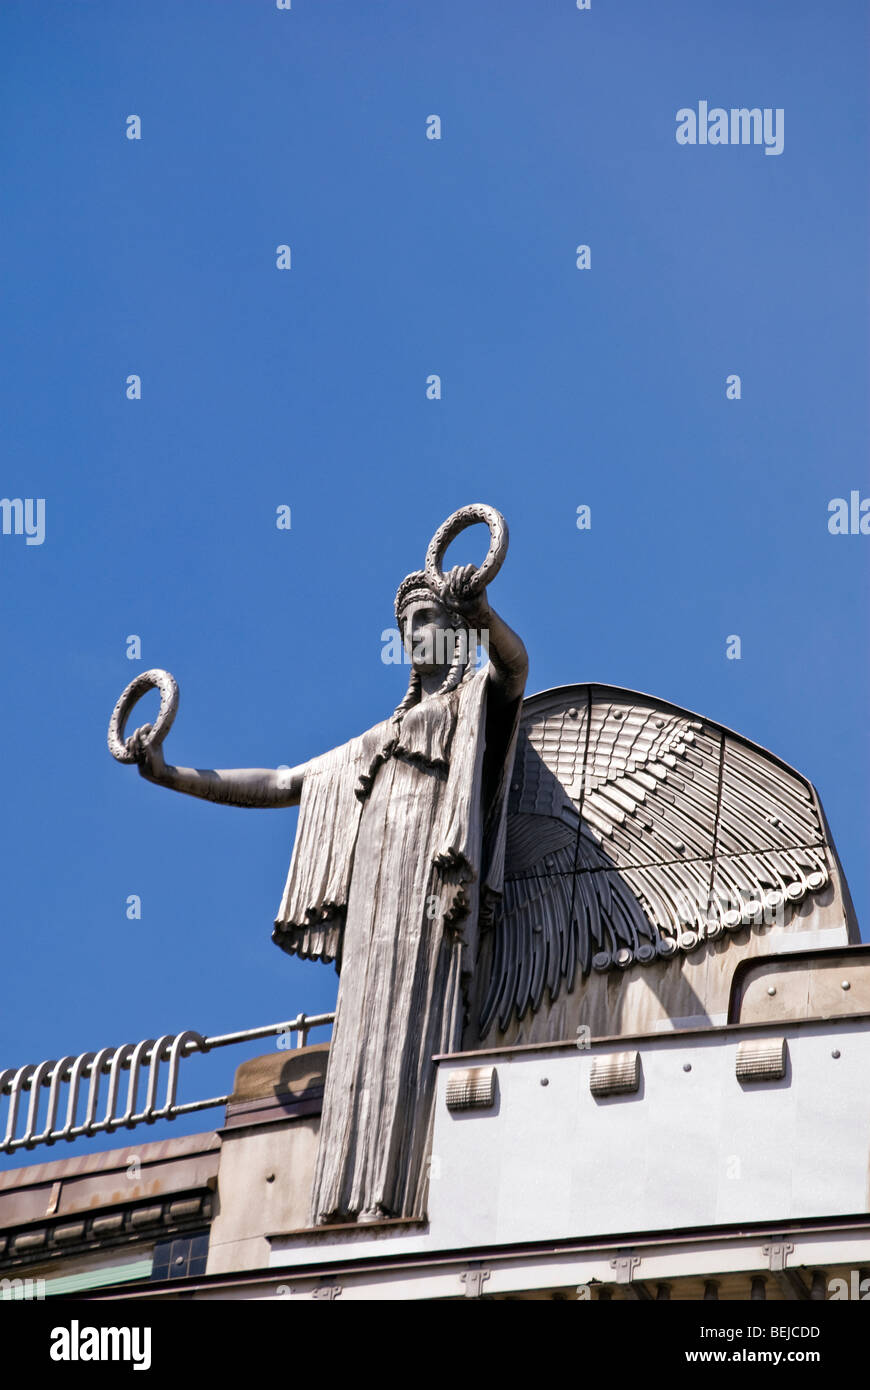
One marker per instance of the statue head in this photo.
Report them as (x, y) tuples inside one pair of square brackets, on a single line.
[(426, 625), (432, 636)]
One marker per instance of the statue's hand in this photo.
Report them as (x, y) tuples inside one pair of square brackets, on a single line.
[(149, 756), (458, 596)]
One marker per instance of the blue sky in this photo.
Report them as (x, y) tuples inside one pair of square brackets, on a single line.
[(307, 388)]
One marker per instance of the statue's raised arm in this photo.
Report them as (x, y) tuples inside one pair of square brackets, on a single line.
[(463, 593), (507, 654)]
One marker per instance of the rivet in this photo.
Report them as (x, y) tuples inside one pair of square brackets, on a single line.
[(660, 723), (844, 985), (617, 714), (270, 1177), (771, 989), (835, 1054), (545, 1081), (687, 1066), (572, 714)]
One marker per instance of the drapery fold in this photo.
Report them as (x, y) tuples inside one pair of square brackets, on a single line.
[(444, 732), (398, 835)]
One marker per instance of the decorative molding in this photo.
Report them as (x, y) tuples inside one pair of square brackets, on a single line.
[(473, 1088), (777, 1254), (625, 1266), (616, 1075), (94, 1230), (474, 1280), (761, 1059)]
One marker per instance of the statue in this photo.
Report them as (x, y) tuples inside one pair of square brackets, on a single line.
[(396, 868), (487, 871)]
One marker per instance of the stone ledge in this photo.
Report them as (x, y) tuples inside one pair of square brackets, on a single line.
[(280, 1074)]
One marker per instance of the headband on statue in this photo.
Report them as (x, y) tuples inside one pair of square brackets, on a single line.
[(414, 588)]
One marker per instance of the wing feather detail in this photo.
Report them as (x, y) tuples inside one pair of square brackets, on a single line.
[(636, 832)]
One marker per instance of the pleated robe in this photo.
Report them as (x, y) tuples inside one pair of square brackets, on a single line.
[(394, 850)]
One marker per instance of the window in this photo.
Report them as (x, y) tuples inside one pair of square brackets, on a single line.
[(175, 1259)]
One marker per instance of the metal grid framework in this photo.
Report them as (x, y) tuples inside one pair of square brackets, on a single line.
[(65, 1080)]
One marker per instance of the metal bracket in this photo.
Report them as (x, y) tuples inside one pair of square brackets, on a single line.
[(474, 1279), (777, 1255), (625, 1267)]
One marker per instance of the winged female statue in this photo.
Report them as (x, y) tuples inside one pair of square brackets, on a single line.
[(397, 864), (486, 871)]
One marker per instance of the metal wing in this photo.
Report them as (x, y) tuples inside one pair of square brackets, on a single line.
[(636, 831)]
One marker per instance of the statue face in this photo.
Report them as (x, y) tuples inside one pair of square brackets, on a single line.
[(427, 633)]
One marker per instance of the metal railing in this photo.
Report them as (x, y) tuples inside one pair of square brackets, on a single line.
[(65, 1080)]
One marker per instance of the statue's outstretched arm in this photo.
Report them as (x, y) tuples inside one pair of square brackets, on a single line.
[(249, 786)]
